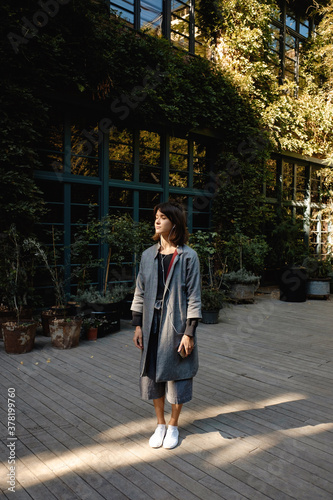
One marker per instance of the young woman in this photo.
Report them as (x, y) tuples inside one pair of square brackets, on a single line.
[(166, 308)]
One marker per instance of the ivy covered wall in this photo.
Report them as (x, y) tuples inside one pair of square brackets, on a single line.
[(72, 52)]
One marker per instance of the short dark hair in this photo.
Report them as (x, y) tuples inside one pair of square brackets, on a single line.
[(176, 214)]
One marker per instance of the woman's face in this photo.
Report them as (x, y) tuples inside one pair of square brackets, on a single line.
[(163, 225)]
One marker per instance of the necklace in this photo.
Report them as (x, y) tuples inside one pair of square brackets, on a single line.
[(163, 256)]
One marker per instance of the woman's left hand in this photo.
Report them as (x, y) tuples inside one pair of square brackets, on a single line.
[(188, 344)]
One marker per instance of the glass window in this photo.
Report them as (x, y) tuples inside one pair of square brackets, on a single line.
[(275, 39), (291, 21), (150, 157), (288, 181), (85, 140), (178, 160), (301, 187), (121, 152), (200, 167), (201, 219), (151, 15), (315, 187), (54, 201), (84, 199), (51, 153), (304, 28), (120, 201), (148, 199), (270, 181), (148, 16), (124, 9), (84, 194), (180, 23)]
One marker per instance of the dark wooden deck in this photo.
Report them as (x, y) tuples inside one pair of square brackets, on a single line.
[(260, 425)]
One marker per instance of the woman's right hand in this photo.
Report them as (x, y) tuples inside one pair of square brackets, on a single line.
[(137, 339)]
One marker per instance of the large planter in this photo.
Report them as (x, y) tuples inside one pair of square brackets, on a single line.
[(210, 317), (5, 316), (242, 291), (19, 338), (54, 313), (65, 333), (318, 288), (293, 284), (126, 312)]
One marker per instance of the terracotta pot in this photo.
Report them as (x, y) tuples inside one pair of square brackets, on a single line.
[(19, 339), (65, 333), (92, 333), (50, 314)]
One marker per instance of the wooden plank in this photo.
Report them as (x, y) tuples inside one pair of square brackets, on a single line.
[(258, 427)]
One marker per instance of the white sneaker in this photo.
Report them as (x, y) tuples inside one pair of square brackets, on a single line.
[(171, 437), (156, 439)]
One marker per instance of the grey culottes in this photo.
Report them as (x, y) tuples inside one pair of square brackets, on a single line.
[(176, 391)]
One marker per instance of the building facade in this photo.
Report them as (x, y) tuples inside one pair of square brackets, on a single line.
[(90, 166)]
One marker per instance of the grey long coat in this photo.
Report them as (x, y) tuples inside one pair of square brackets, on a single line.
[(181, 301)]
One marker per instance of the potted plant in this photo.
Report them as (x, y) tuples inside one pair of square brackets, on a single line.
[(212, 300), (83, 261), (318, 272), (91, 326), (65, 332), (242, 285), (105, 306), (289, 251), (59, 320), (245, 257), (212, 294), (17, 270), (242, 251), (141, 238)]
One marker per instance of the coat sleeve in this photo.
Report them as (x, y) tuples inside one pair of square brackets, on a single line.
[(193, 287), (137, 304)]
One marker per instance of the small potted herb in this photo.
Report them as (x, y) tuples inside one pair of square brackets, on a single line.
[(91, 326)]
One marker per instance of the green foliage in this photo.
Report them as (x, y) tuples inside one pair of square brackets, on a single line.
[(318, 267), (205, 244), (49, 262), (93, 322), (212, 299), (17, 269), (242, 276), (113, 295), (81, 254), (124, 238), (287, 243), (241, 251)]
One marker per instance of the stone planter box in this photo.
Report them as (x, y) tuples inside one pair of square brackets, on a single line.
[(242, 292), (318, 288)]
